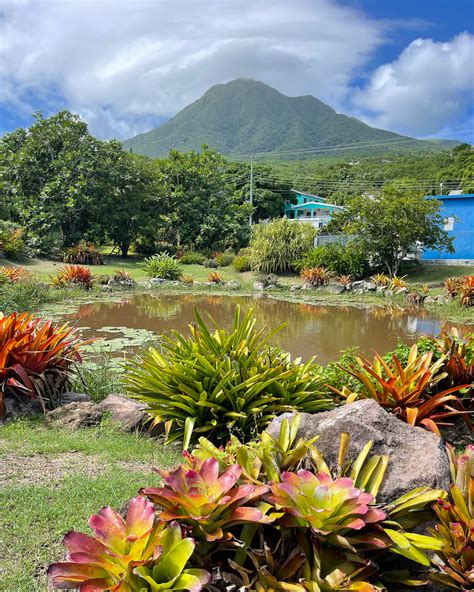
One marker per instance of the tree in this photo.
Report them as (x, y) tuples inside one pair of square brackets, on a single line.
[(392, 224), (61, 179)]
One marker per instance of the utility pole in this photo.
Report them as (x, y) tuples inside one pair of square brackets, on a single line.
[(251, 187), (441, 188)]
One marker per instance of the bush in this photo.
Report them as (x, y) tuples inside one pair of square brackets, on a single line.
[(14, 274), (274, 247), (163, 266), (192, 258), (11, 240), (295, 529), (36, 357), (224, 259), (316, 276), (339, 259), (211, 263), (74, 276), (222, 382), (242, 263), (215, 277), (83, 253)]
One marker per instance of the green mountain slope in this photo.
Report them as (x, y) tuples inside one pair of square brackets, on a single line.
[(246, 116)]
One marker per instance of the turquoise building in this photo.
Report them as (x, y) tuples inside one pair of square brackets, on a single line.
[(458, 220), (311, 209)]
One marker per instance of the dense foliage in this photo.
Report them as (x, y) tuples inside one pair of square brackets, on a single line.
[(219, 382), (36, 357), (258, 521), (389, 226), (340, 259), (275, 246), (163, 266)]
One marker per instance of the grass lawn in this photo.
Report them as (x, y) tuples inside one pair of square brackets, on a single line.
[(52, 481), (432, 274)]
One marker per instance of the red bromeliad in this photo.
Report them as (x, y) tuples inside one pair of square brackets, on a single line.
[(206, 500), (127, 555)]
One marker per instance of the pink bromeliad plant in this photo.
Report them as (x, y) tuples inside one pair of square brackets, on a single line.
[(207, 500), (128, 555)]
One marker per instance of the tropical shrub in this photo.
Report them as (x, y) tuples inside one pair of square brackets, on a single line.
[(211, 263), (242, 263), (344, 280), (74, 276), (192, 258), (452, 285), (275, 246), (123, 276), (215, 277), (11, 240), (130, 555), (397, 283), (224, 259), (380, 280), (163, 266), (36, 357), (218, 382), (14, 274), (316, 276), (312, 529), (409, 392), (83, 253), (454, 567), (187, 279), (466, 291), (337, 258)]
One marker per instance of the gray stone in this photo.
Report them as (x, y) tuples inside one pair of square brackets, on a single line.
[(270, 287), (336, 289), (258, 286), (417, 457), (128, 413), (156, 282), (388, 293), (75, 415), (21, 407), (430, 300), (381, 288), (233, 285), (370, 287), (67, 398), (358, 285), (294, 288)]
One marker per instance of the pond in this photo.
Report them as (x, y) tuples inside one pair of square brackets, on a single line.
[(312, 330)]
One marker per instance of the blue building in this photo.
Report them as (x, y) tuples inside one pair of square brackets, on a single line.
[(458, 215), (311, 209)]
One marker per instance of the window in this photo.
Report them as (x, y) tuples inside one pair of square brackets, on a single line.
[(448, 223)]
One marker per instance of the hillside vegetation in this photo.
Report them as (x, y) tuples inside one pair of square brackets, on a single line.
[(247, 116)]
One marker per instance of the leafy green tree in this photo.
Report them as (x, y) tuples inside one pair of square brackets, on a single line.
[(392, 224)]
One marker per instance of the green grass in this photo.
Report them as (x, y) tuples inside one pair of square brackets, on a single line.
[(36, 515), (433, 274)]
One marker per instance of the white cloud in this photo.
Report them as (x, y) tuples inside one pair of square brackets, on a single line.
[(428, 89), (122, 64)]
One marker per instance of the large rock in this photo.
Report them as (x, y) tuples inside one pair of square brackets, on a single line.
[(336, 289), (70, 397), (128, 413), (417, 457), (75, 415)]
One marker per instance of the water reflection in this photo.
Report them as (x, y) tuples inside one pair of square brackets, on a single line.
[(311, 329)]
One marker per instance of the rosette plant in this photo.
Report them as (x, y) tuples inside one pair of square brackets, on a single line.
[(131, 555), (207, 500)]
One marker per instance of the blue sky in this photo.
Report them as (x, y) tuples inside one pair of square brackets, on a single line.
[(127, 65)]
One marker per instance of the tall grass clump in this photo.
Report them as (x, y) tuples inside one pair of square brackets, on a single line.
[(99, 378), (29, 295), (275, 246)]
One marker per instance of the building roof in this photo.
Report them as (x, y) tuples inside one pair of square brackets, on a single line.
[(307, 194), (312, 203), (458, 196)]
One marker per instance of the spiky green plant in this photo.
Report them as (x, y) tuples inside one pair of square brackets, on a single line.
[(219, 382), (163, 266)]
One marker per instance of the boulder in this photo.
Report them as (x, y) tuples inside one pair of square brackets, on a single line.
[(233, 285), (336, 289), (153, 282), (417, 457), (125, 411), (294, 288), (75, 415), (258, 286), (370, 287), (358, 285), (67, 398), (21, 407)]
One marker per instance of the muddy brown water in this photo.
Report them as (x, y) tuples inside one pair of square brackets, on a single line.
[(311, 329)]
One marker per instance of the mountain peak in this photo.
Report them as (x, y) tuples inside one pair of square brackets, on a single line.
[(248, 116)]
